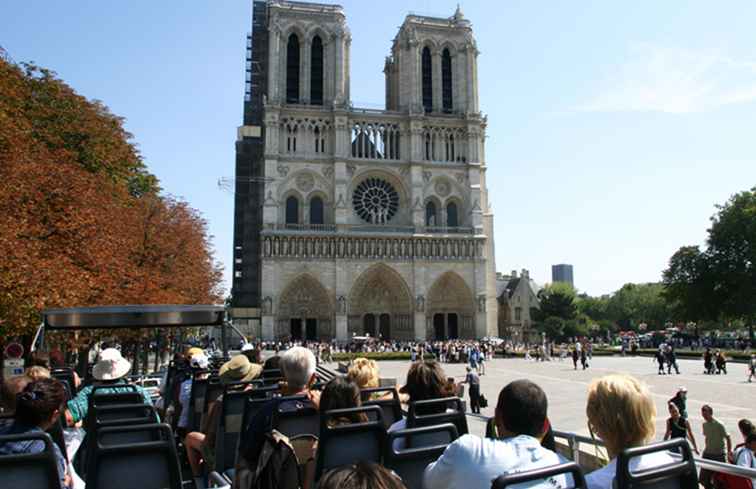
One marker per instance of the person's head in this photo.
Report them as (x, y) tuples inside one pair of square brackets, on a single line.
[(674, 412), (199, 361), (363, 475), (40, 359), (37, 372), (272, 363), (364, 373), (342, 393), (40, 403), (298, 367), (746, 427), (425, 380), (469, 369), (521, 409), (10, 389), (253, 354), (621, 412), (238, 369), (707, 412), (682, 393), (750, 442), (110, 365)]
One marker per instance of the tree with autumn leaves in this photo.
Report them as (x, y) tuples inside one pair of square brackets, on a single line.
[(82, 221)]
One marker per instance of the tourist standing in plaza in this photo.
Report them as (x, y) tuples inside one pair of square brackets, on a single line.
[(716, 436), (721, 363), (660, 360), (671, 357), (576, 354), (752, 368), (473, 381), (680, 400), (679, 427)]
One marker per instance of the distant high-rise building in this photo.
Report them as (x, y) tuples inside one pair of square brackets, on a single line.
[(562, 273)]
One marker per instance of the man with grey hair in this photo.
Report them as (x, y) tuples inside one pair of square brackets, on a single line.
[(298, 366)]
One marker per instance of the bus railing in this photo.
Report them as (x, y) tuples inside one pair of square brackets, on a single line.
[(574, 440)]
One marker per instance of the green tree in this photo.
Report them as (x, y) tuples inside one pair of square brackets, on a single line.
[(731, 256), (688, 288), (636, 303), (557, 300)]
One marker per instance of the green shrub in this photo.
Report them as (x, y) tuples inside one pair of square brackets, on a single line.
[(389, 355)]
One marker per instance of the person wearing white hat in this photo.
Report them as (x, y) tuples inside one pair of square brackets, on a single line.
[(110, 369), (197, 362)]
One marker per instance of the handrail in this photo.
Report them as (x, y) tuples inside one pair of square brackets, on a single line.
[(574, 440)]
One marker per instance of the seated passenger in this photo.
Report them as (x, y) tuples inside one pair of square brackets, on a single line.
[(362, 475), (198, 362), (746, 455), (622, 414), (200, 445), (37, 372), (38, 407), (364, 373), (298, 367), (110, 369), (425, 380), (342, 393), (471, 462), (10, 389)]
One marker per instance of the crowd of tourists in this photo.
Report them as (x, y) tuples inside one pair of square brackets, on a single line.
[(620, 412)]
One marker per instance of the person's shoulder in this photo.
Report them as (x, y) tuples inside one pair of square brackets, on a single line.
[(601, 478)]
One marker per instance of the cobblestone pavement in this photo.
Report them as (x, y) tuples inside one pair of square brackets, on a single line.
[(730, 395)]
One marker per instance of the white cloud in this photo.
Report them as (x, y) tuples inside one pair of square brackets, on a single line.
[(662, 79)]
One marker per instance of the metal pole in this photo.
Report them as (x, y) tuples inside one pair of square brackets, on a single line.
[(224, 340)]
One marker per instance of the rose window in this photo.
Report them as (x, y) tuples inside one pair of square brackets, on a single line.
[(375, 201)]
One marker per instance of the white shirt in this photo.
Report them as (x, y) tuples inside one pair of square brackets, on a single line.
[(185, 395), (603, 478), (744, 457), (473, 463)]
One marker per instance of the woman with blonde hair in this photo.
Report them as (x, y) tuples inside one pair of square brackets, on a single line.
[(622, 414), (364, 373)]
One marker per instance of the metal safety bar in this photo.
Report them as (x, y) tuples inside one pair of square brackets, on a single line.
[(574, 440)]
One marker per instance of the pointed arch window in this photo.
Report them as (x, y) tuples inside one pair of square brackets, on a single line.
[(292, 70), (446, 80), (316, 71), (292, 210), (452, 217), (430, 214), (427, 80), (316, 211)]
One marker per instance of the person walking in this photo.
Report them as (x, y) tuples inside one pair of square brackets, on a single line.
[(679, 427), (680, 400), (473, 380), (715, 435), (752, 368), (575, 355), (672, 360), (708, 362), (584, 358), (721, 363), (660, 360)]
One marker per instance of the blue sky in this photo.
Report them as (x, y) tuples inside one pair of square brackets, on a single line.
[(614, 127)]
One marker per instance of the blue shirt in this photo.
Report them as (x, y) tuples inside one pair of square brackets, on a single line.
[(185, 395), (472, 462), (31, 446)]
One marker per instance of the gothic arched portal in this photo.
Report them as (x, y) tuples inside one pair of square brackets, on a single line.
[(305, 311), (380, 303), (450, 311)]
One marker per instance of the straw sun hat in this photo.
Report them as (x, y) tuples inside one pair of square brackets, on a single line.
[(110, 365)]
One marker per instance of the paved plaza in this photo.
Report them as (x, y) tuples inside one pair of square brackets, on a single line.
[(730, 395)]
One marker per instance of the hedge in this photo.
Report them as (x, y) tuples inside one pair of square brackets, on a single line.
[(377, 355)]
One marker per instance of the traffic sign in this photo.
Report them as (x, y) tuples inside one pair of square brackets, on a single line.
[(14, 350)]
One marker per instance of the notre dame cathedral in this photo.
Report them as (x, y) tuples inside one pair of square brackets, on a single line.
[(353, 221)]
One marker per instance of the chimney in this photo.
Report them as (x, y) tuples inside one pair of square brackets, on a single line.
[(525, 274)]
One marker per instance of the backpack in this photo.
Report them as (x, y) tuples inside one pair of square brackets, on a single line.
[(272, 465)]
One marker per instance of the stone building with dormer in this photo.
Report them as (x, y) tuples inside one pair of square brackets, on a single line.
[(353, 221)]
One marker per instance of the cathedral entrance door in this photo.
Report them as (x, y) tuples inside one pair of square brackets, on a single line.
[(296, 328), (311, 327), (385, 326), (369, 324), (452, 323), (438, 327)]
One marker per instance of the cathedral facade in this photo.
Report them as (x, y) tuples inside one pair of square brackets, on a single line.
[(356, 221)]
